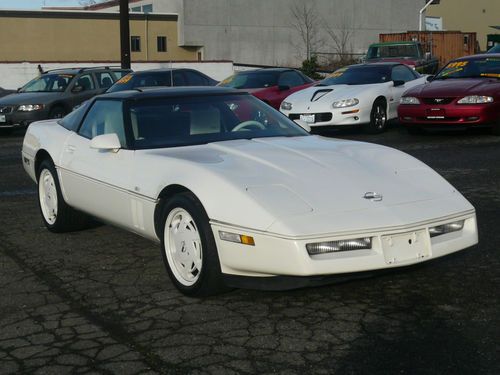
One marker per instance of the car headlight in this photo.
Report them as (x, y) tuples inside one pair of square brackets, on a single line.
[(446, 228), (475, 99), (409, 100), (29, 107), (345, 103), (286, 106)]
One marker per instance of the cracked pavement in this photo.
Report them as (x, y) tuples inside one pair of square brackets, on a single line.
[(100, 302)]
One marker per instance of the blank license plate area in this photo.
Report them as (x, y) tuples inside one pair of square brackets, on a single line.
[(404, 247), (307, 118), (2, 118)]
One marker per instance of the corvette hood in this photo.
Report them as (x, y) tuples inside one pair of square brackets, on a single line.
[(456, 87), (285, 185)]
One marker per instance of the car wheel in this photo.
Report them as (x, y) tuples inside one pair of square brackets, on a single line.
[(378, 118), (57, 215), (57, 112), (188, 247)]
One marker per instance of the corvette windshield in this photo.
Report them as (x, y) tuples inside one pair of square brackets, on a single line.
[(474, 68), (363, 75), (251, 80), (184, 121), (48, 83)]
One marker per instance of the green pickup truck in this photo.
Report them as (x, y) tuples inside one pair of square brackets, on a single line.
[(408, 53)]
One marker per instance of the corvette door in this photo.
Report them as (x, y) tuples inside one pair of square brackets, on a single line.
[(97, 181)]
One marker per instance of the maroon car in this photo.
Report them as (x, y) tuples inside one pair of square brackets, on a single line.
[(465, 93), (271, 85)]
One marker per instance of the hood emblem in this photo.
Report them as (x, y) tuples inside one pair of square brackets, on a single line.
[(374, 197), (438, 100)]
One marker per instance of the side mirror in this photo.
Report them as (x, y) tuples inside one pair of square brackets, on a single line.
[(430, 78), (283, 87), (19, 89), (304, 125), (398, 83), (106, 142), (77, 89)]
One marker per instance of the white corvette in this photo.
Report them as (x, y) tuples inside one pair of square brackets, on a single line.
[(363, 94), (237, 194)]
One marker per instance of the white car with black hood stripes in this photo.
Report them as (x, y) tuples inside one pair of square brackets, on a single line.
[(237, 194), (358, 95)]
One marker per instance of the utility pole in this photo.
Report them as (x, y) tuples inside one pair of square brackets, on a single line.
[(124, 34)]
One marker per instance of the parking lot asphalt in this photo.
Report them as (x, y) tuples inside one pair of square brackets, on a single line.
[(100, 302)]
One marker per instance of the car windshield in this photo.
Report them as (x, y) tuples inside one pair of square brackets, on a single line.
[(398, 50), (184, 121), (474, 68), (48, 83), (361, 75), (132, 81), (251, 80)]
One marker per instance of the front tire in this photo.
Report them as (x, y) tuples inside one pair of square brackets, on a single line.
[(188, 247), (57, 216), (378, 118)]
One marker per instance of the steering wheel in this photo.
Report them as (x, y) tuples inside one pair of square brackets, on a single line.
[(244, 124)]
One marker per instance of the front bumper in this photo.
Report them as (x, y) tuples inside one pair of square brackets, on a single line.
[(16, 119), (356, 115), (452, 114), (273, 255)]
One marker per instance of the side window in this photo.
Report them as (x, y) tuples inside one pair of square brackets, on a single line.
[(73, 119), (402, 73), (179, 79), (290, 79), (104, 79), (195, 79), (105, 117), (120, 73), (86, 82)]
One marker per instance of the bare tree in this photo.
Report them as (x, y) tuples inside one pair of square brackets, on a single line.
[(307, 22), (341, 38)]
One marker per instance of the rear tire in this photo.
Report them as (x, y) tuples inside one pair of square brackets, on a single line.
[(378, 118), (188, 247), (57, 216)]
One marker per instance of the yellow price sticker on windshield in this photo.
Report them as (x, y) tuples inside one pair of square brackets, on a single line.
[(493, 75), (125, 79), (336, 73), (458, 64)]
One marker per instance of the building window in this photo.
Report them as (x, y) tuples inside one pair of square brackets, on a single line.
[(147, 8), (161, 43), (136, 9), (135, 43)]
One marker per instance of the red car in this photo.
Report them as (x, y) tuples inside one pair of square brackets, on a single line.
[(271, 85), (465, 93)]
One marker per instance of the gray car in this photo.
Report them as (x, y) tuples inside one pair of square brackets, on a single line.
[(54, 93)]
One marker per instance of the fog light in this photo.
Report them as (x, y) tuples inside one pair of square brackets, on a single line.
[(473, 118), (446, 228), (238, 238), (340, 245)]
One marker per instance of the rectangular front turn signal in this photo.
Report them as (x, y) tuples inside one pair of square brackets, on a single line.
[(238, 238)]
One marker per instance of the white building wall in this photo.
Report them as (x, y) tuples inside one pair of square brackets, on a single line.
[(261, 32)]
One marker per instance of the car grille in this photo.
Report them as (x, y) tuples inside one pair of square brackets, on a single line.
[(318, 117), (6, 109), (437, 101)]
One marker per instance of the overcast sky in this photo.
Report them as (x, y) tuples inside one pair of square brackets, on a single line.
[(37, 4)]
